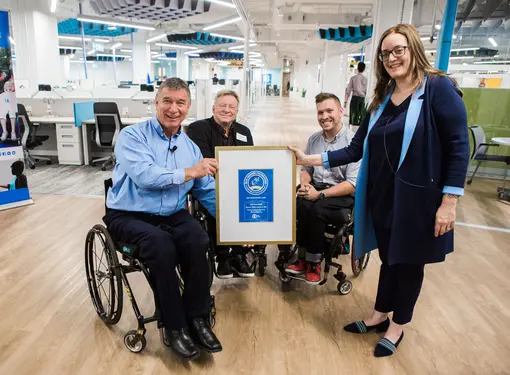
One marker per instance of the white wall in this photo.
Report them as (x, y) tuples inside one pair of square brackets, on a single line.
[(102, 71)]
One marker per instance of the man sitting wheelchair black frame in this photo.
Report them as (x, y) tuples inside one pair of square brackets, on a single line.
[(258, 252), (338, 240), (116, 273)]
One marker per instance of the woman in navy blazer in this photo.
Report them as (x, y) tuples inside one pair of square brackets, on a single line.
[(415, 151)]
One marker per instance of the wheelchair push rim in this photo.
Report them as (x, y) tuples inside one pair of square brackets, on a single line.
[(103, 275)]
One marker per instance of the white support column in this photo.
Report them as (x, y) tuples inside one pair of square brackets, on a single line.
[(36, 33), (182, 65), (387, 15), (141, 57), (245, 84)]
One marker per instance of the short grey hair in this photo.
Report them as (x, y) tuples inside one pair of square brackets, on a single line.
[(226, 92), (174, 83)]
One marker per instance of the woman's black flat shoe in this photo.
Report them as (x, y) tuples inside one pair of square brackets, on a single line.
[(385, 347), (361, 327)]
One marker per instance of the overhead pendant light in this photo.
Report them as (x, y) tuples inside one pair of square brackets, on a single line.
[(103, 21), (222, 23), (153, 39), (174, 46), (227, 36), (493, 42), (193, 52), (223, 3)]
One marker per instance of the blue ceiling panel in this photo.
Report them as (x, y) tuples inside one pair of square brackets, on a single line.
[(72, 26), (204, 39), (351, 34)]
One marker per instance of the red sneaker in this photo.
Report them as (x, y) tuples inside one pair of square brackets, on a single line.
[(313, 273), (299, 266)]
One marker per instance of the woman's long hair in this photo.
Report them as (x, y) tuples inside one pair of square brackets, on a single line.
[(418, 68)]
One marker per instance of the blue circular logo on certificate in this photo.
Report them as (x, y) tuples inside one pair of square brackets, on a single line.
[(256, 183)]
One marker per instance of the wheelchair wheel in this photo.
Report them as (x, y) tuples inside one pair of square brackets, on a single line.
[(344, 287), (357, 265), (103, 274), (284, 278), (262, 265), (135, 342)]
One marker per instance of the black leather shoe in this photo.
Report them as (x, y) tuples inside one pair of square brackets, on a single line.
[(181, 343), (224, 269), (203, 335)]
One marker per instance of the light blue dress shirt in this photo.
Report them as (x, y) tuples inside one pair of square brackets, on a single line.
[(149, 177)]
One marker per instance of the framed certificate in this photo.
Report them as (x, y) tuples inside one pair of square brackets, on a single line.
[(255, 195)]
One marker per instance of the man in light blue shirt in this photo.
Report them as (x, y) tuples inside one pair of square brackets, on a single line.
[(156, 166)]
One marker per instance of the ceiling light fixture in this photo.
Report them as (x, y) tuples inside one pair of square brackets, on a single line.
[(12, 40), (242, 46), (492, 62), (110, 55), (228, 36), (97, 40), (222, 23), (193, 55), (153, 39), (103, 21), (77, 38), (493, 42), (193, 52), (174, 46), (116, 45), (53, 6), (438, 27), (69, 47), (126, 50), (461, 57), (91, 52), (224, 3)]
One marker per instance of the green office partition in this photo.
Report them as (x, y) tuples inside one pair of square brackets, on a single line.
[(490, 109)]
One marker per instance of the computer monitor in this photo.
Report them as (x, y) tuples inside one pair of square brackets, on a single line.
[(143, 87), (150, 88), (43, 87)]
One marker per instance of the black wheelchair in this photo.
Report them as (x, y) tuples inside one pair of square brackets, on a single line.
[(338, 240), (257, 252), (106, 274)]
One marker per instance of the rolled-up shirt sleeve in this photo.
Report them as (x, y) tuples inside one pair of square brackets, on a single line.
[(136, 159), (309, 169)]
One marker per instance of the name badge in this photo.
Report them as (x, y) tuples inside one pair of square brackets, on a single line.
[(241, 137)]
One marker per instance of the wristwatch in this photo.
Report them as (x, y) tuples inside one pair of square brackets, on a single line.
[(321, 195)]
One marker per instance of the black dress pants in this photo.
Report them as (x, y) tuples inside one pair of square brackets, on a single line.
[(355, 110), (313, 216), (399, 284), (164, 242), (223, 252)]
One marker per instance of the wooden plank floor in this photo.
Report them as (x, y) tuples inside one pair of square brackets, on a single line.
[(48, 325)]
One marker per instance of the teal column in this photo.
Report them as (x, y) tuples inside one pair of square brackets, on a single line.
[(444, 44)]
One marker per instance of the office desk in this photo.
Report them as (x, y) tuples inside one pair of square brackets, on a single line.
[(69, 140), (126, 121)]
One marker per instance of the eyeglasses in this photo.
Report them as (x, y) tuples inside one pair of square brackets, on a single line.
[(226, 106), (398, 51)]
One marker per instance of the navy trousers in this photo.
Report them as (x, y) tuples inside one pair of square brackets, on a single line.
[(399, 284), (164, 242)]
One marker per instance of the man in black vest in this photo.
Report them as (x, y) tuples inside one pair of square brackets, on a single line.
[(222, 130)]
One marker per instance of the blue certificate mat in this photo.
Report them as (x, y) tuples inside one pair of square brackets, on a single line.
[(256, 191)]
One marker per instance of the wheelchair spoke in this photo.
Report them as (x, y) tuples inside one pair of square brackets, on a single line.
[(100, 261), (106, 295)]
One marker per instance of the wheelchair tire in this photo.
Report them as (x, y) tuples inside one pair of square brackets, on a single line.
[(356, 264), (262, 265), (108, 308), (135, 342), (344, 287)]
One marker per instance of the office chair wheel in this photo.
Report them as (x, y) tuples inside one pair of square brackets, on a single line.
[(469, 182), (284, 278), (103, 169), (344, 287), (262, 265), (103, 274), (32, 167), (135, 342), (48, 162)]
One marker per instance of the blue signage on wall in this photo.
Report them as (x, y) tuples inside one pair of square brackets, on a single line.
[(4, 30), (255, 195)]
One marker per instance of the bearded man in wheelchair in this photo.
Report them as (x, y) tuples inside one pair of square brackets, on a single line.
[(157, 165), (323, 194)]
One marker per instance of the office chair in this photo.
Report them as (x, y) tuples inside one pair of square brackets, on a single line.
[(107, 128), (480, 152), (29, 139)]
